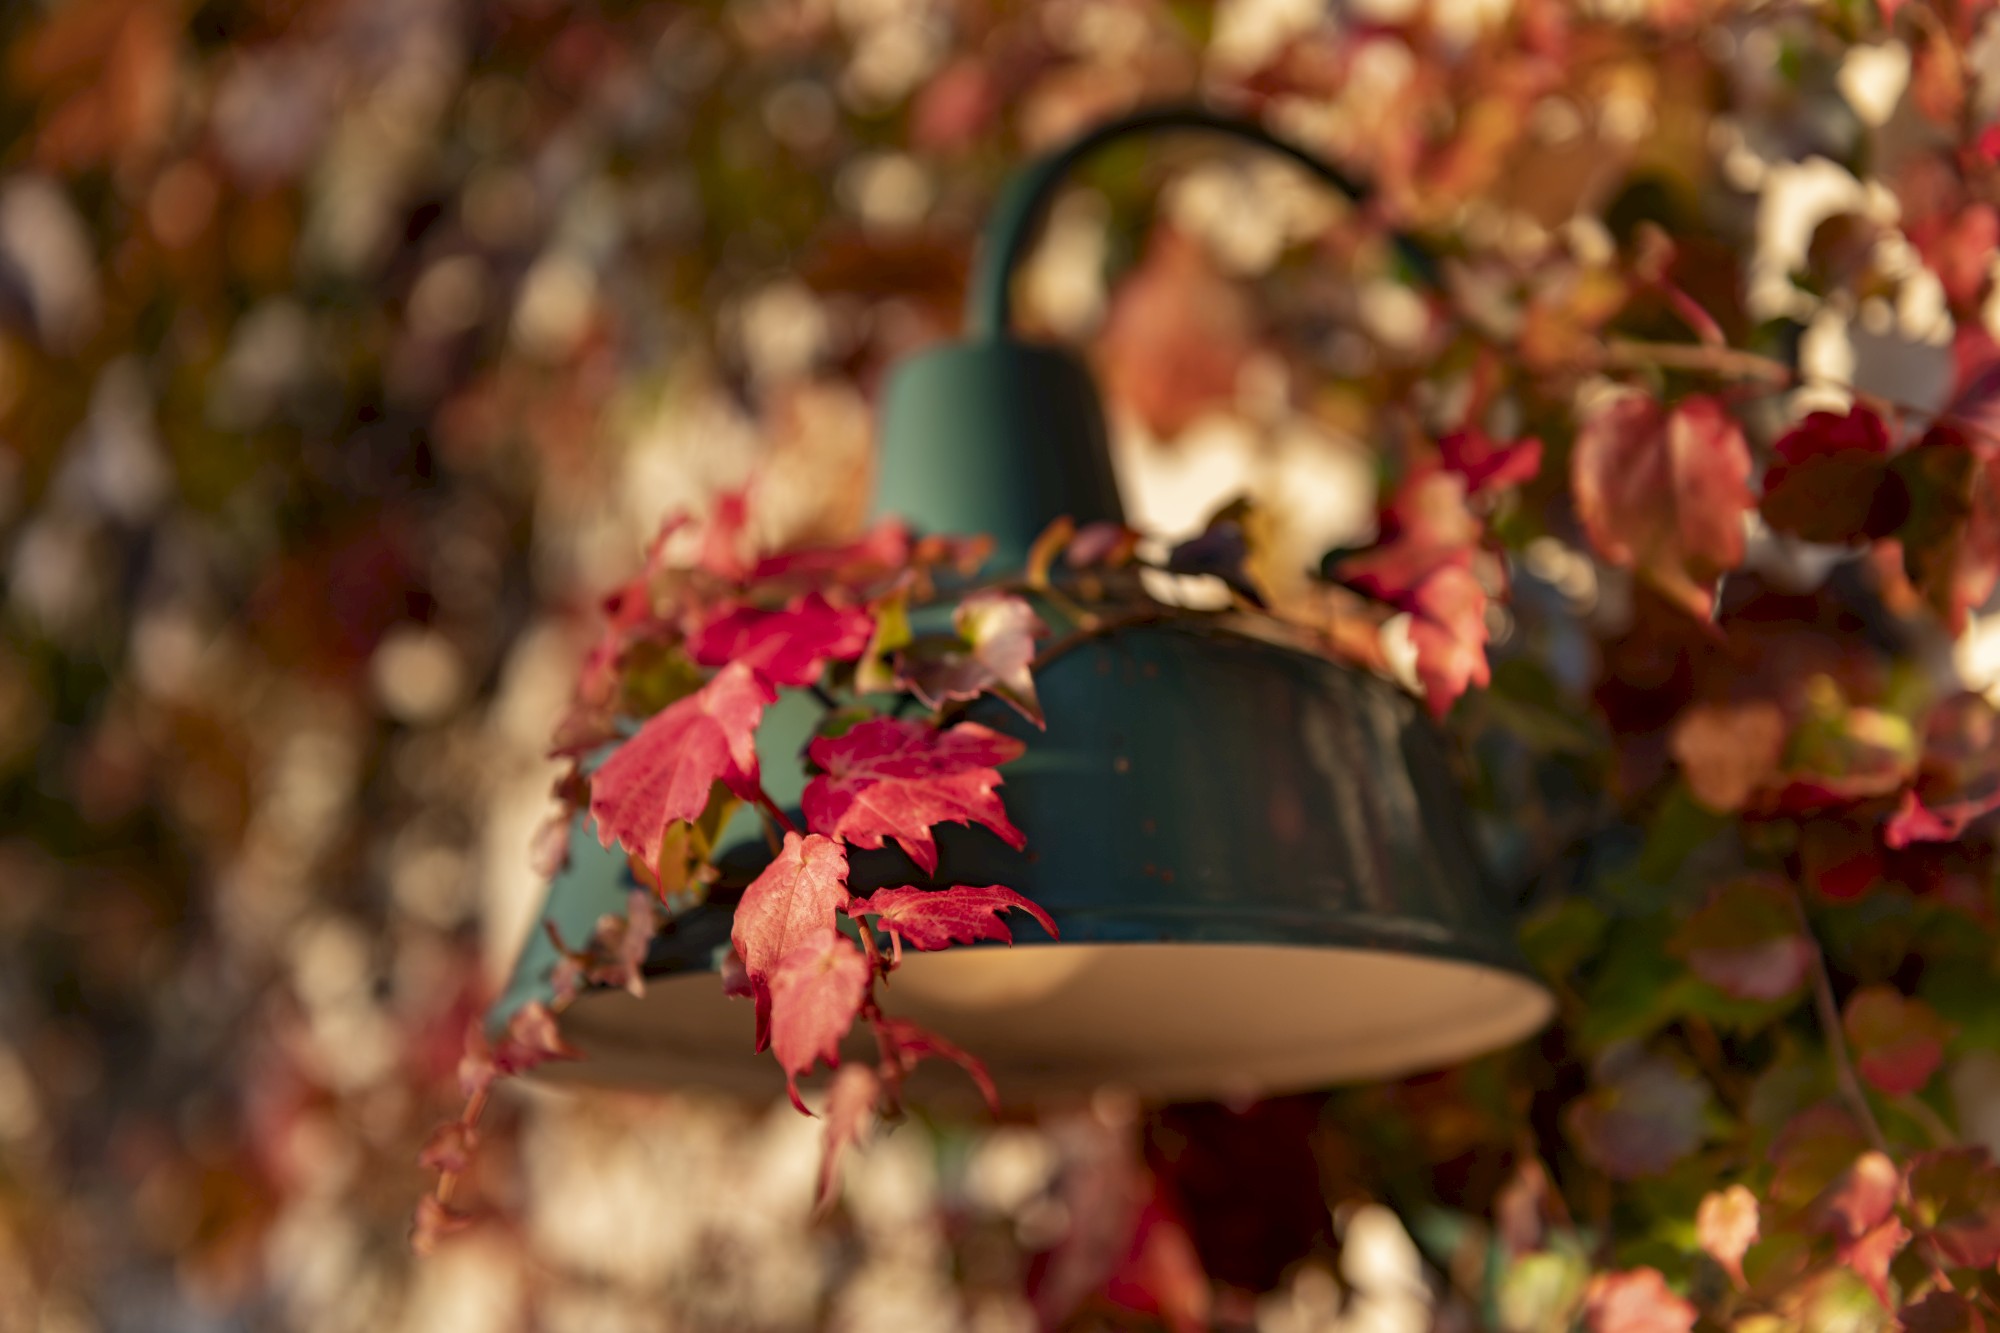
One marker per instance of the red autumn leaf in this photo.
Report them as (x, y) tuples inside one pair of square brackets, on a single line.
[(1898, 1042), (1832, 481), (1665, 493), (816, 993), (937, 918), (1643, 1114), (908, 1044), (531, 1039), (1160, 1275), (850, 1113), (1448, 630), (1860, 1213), (1745, 940), (1425, 527), (998, 632), (1635, 1301), (1913, 821), (1955, 1202), (893, 779), (1488, 465), (1726, 1226), (788, 647), (789, 906), (665, 772)]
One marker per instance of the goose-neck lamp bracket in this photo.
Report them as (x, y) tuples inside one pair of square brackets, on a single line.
[(1260, 860)]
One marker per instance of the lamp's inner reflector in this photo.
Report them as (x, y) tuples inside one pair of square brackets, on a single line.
[(1179, 1021)]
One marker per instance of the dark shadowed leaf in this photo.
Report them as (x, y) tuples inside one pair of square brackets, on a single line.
[(1643, 1114), (1898, 1042), (1832, 481)]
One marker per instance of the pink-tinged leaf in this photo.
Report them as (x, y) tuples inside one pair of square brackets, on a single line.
[(1898, 1042), (1448, 631), (531, 1039), (1176, 335), (790, 906), (1832, 481), (878, 552), (1635, 1301), (1745, 940), (435, 1221), (449, 1148), (1726, 1226), (1913, 821), (893, 779), (1644, 1113), (816, 994), (1812, 1154), (1955, 1203), (788, 647), (724, 538), (1860, 1214), (908, 1044), (850, 1113), (937, 918), (998, 631), (1729, 752), (666, 771), (1102, 546), (1425, 527), (1488, 465), (1665, 493)]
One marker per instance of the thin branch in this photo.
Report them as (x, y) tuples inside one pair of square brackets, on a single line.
[(1828, 1011)]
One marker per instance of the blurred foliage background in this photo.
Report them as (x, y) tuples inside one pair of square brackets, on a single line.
[(348, 348)]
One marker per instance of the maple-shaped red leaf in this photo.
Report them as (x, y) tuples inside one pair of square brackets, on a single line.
[(1745, 940), (1448, 631), (1425, 527), (850, 1112), (937, 918), (1664, 493), (889, 778), (1635, 1301), (1488, 465), (788, 907), (1726, 1225), (816, 993), (1832, 480), (788, 647), (1898, 1041), (907, 1044), (666, 770), (999, 631)]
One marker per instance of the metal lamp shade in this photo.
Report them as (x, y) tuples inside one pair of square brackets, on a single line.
[(1258, 860)]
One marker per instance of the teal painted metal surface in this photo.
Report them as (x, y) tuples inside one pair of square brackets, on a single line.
[(997, 437)]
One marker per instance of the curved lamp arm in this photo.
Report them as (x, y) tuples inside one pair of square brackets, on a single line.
[(1027, 196)]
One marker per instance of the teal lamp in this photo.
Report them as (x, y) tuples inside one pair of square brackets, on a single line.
[(1264, 873)]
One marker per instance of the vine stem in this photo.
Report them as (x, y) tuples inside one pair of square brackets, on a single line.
[(770, 807), (1828, 1012)]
